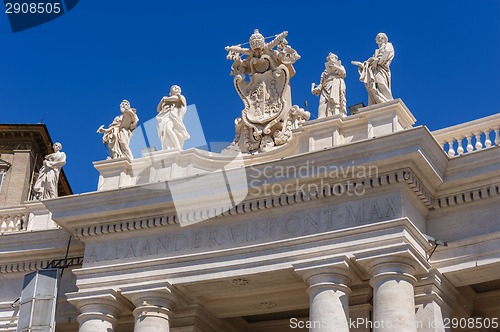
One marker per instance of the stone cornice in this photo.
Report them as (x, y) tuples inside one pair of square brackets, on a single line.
[(410, 157), (401, 176), (259, 204), (466, 196), (25, 266), (38, 249)]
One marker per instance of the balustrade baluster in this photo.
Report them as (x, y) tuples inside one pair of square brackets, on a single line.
[(451, 152), (10, 227), (18, 225), (479, 145), (469, 147), (24, 222), (460, 149), (3, 226), (487, 141)]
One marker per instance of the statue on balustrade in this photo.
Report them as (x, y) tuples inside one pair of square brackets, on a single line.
[(262, 80), (375, 72), (171, 129), (331, 88), (48, 176), (119, 133)]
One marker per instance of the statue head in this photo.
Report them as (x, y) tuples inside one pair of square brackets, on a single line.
[(257, 41), (332, 57), (57, 146), (381, 38), (175, 89), (124, 105)]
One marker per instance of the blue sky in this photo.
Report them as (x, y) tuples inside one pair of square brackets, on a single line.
[(74, 71)]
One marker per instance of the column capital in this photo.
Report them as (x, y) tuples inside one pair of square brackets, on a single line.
[(151, 300), (397, 260), (333, 273), (160, 295), (105, 305)]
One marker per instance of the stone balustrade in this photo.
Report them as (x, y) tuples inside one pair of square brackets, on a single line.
[(470, 136), (30, 216), (13, 220)]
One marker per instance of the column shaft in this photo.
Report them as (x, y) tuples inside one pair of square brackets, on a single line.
[(393, 298), (153, 307), (98, 317), (151, 319), (329, 302), (95, 324)]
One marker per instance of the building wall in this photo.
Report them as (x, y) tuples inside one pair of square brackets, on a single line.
[(17, 178)]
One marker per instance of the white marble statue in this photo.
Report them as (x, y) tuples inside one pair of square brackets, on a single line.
[(331, 88), (119, 133), (262, 79), (375, 72), (48, 177), (171, 128)]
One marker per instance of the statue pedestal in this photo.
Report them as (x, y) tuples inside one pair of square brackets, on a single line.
[(387, 118), (369, 122), (39, 216), (114, 173)]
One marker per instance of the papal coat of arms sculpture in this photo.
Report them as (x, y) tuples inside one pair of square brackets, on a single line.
[(262, 79)]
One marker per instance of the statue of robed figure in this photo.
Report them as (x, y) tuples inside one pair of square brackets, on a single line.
[(171, 129), (46, 184)]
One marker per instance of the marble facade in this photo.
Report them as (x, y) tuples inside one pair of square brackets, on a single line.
[(361, 222), (336, 233)]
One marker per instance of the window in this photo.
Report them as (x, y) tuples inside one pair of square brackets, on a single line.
[(2, 173)]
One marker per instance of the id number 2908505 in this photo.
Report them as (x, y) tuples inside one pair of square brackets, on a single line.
[(471, 323), (32, 7)]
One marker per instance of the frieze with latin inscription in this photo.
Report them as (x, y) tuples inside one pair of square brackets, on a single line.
[(239, 234)]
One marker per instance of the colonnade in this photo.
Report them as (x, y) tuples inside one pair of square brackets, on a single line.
[(393, 305)]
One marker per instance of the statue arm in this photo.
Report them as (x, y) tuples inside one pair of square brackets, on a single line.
[(340, 70), (183, 100), (134, 123), (166, 100), (60, 161), (169, 100), (358, 64), (316, 89), (102, 130), (324, 75), (238, 49), (386, 54), (279, 38)]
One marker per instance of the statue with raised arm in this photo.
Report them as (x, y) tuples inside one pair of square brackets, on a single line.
[(375, 72), (262, 75), (48, 177), (171, 129), (331, 88), (119, 133)]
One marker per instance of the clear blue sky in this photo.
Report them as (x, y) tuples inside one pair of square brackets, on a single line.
[(74, 71)]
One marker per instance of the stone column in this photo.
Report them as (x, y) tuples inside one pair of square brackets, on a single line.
[(99, 310), (393, 294), (153, 308), (96, 317), (434, 298), (329, 297)]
